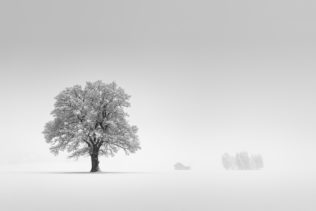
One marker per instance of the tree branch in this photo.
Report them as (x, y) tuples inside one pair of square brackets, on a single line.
[(115, 144), (89, 144)]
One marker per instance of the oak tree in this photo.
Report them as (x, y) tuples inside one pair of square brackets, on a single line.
[(91, 121)]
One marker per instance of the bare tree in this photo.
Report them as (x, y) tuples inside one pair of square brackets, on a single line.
[(228, 161), (91, 121)]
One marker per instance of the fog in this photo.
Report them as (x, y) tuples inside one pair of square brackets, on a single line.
[(205, 78)]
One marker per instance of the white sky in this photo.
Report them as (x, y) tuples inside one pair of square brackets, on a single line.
[(206, 77)]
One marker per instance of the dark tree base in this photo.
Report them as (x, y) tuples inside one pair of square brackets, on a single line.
[(94, 163), (95, 170)]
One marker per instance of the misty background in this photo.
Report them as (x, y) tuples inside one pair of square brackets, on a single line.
[(206, 77)]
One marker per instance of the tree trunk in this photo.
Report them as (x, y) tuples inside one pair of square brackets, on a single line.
[(95, 160)]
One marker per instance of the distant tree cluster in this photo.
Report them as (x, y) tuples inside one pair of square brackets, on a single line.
[(242, 161)]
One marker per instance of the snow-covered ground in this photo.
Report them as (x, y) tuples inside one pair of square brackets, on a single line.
[(158, 191)]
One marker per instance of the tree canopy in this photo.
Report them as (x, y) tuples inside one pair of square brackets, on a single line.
[(91, 120)]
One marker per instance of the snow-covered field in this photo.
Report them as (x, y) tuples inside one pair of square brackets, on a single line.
[(161, 191)]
